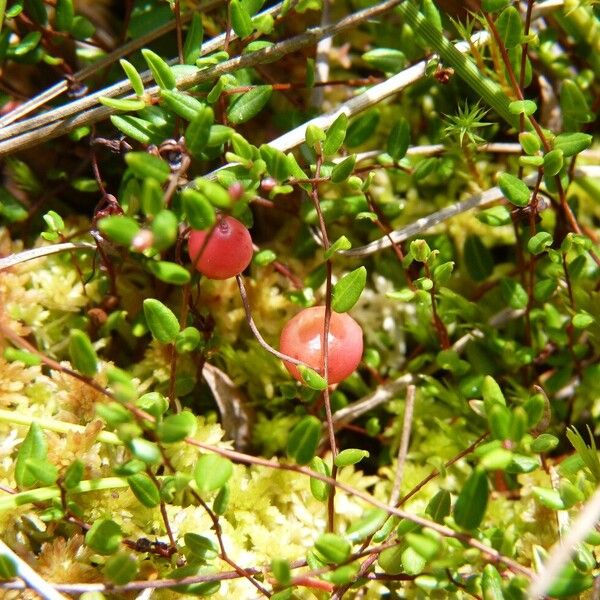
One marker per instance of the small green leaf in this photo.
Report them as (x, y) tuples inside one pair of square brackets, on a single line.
[(205, 588), (147, 165), (439, 506), (549, 498), (37, 11), (8, 568), (582, 320), (574, 106), (11, 209), (123, 104), (342, 243), (104, 536), (350, 456), (309, 79), (399, 140), (212, 472), (145, 451), (491, 392), (570, 493), (144, 489), (367, 525), (303, 440), (175, 428), (240, 19), (491, 584), (169, 272), (342, 170), (362, 128), (334, 138), (514, 190), (27, 358), (510, 26), (82, 353), (531, 161), (42, 471), (133, 127), (264, 258), (388, 60), (199, 211), (392, 561), (425, 546), (163, 324), (187, 340), (523, 107), (181, 104), (553, 162), (319, 489), (248, 105), (215, 193), (151, 197), (569, 583), (495, 216), (120, 568), (154, 403), (64, 15), (420, 250), (499, 419), (161, 71), (530, 142), (221, 502), (193, 40), (478, 259), (164, 229), (539, 242), (73, 474), (198, 132), (333, 548), (314, 136), (200, 546), (27, 44), (32, 447), (281, 570), (113, 414), (311, 378), (218, 135), (277, 162), (513, 293), (82, 28), (544, 443), (472, 501), (572, 143), (134, 77), (348, 289)]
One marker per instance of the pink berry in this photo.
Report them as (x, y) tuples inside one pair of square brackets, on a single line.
[(302, 338), (227, 252)]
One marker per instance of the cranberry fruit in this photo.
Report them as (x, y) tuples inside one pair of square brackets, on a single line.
[(302, 338), (226, 253)]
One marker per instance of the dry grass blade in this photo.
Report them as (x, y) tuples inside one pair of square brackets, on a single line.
[(26, 255)]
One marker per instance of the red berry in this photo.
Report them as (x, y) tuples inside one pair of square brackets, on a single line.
[(302, 338), (227, 252)]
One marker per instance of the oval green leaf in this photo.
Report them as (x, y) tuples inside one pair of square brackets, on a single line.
[(348, 289)]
